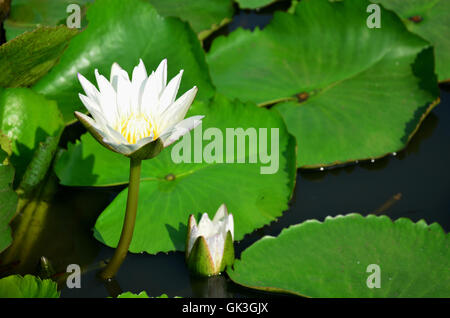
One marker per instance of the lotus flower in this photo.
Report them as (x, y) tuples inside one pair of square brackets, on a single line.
[(137, 117), (209, 246)]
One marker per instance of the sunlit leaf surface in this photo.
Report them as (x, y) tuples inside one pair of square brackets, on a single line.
[(16, 286), (253, 4), (331, 259), (203, 15), (30, 56), (27, 118), (346, 91), (430, 20), (26, 15)]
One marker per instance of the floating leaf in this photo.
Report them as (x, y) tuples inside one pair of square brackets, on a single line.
[(254, 4), (142, 294), (29, 286), (204, 16), (27, 118), (170, 192), (430, 20), (350, 92), (113, 36), (26, 15), (8, 200), (30, 56), (330, 259)]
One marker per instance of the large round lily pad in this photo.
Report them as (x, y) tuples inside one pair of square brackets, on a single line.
[(170, 191), (348, 92), (124, 31), (333, 258), (430, 20)]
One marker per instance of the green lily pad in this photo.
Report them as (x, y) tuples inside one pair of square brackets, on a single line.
[(254, 4), (8, 200), (331, 259), (29, 286), (26, 15), (112, 36), (142, 294), (170, 192), (27, 118), (30, 56), (430, 20), (349, 92), (204, 16)]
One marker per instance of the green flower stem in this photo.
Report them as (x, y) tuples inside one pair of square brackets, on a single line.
[(128, 225)]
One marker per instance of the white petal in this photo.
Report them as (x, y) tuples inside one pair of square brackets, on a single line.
[(177, 111), (174, 133), (91, 122), (111, 137), (221, 213), (216, 244), (90, 90), (123, 148), (101, 129), (193, 234), (93, 109), (90, 104), (139, 72), (192, 222), (205, 225), (108, 97), (150, 96), (143, 141), (124, 91), (116, 72), (138, 83), (118, 147), (230, 225), (170, 92), (115, 135), (161, 76)]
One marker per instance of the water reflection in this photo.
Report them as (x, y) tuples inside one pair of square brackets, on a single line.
[(58, 229), (210, 287)]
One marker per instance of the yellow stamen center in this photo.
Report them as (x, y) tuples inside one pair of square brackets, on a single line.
[(136, 127)]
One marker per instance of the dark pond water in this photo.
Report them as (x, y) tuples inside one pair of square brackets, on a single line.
[(414, 183)]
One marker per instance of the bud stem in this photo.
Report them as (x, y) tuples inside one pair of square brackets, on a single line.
[(128, 224)]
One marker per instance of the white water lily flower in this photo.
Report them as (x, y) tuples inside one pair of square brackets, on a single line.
[(209, 245), (137, 117)]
